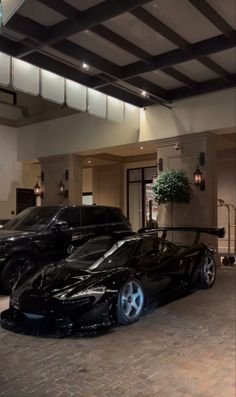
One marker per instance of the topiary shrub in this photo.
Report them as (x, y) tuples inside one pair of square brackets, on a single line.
[(172, 186)]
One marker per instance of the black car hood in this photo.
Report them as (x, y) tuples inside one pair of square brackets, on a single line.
[(58, 279), (14, 234)]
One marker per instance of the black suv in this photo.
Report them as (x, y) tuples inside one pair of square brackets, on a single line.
[(39, 235)]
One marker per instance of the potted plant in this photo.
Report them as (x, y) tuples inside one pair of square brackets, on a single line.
[(172, 186)]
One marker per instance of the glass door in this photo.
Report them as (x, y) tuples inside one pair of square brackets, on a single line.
[(151, 207)]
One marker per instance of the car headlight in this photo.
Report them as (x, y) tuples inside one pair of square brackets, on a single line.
[(95, 292)]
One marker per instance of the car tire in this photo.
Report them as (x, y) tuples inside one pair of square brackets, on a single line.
[(207, 272), (130, 302), (16, 264)]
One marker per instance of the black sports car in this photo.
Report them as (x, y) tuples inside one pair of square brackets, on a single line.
[(107, 280)]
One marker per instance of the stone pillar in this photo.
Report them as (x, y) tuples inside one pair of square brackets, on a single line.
[(108, 185), (66, 169), (202, 210)]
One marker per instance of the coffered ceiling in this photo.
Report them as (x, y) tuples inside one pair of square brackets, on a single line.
[(141, 51)]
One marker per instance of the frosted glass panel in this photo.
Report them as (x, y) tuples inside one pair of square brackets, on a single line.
[(9, 7), (4, 69), (76, 95), (115, 109), (96, 103), (52, 86), (25, 77), (132, 114)]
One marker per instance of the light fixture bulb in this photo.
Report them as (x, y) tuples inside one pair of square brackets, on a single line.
[(85, 66)]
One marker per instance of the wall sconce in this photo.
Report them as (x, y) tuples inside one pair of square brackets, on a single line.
[(199, 181), (159, 169), (62, 190), (38, 191)]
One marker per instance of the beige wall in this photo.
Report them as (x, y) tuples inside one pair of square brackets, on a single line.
[(108, 185), (13, 173), (87, 179), (54, 169), (197, 114), (73, 134)]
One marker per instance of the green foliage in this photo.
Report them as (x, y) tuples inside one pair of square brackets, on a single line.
[(172, 186)]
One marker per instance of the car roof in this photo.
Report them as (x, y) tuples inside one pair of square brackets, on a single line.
[(76, 206)]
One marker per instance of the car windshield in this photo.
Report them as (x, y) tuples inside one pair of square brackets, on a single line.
[(101, 254), (32, 219)]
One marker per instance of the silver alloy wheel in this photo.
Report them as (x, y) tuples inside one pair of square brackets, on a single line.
[(209, 271), (132, 299)]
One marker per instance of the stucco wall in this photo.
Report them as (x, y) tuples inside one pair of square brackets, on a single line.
[(13, 173)]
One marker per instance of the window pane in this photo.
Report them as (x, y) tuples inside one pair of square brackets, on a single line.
[(71, 216), (135, 175), (94, 215), (135, 205), (149, 173)]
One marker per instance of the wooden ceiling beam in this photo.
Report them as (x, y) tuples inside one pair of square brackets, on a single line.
[(92, 17), (213, 16)]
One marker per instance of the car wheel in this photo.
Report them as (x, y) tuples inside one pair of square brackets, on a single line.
[(16, 264), (207, 272), (130, 302)]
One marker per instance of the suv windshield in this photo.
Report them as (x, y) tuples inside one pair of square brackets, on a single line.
[(101, 254), (32, 219)]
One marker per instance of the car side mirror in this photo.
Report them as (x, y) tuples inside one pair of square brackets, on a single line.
[(58, 226)]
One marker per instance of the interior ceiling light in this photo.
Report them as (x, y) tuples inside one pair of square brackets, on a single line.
[(145, 94), (89, 161), (141, 147), (85, 66)]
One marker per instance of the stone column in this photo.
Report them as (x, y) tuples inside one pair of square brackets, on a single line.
[(202, 210), (108, 185), (66, 169)]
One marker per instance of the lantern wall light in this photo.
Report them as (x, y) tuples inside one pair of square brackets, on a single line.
[(38, 191), (62, 190), (199, 181)]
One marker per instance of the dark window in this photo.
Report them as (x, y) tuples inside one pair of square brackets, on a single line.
[(166, 249), (34, 218), (146, 246), (94, 215), (115, 215), (71, 216)]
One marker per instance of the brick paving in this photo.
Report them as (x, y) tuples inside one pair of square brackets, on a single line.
[(183, 349)]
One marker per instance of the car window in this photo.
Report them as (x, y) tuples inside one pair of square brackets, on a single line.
[(115, 215), (117, 256), (146, 245), (165, 248), (71, 216), (94, 215), (32, 219)]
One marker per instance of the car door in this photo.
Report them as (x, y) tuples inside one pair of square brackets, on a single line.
[(157, 264), (59, 240), (94, 220)]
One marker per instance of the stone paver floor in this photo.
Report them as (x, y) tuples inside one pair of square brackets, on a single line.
[(183, 349)]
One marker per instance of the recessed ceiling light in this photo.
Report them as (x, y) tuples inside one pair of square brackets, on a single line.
[(89, 161), (85, 66), (145, 94), (141, 147)]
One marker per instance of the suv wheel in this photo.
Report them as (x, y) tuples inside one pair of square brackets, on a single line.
[(15, 266)]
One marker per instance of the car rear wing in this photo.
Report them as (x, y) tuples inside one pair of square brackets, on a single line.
[(219, 232)]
